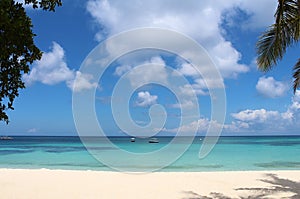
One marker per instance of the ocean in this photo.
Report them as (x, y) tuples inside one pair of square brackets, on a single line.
[(229, 154)]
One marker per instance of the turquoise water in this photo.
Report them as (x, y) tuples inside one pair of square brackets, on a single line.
[(230, 153)]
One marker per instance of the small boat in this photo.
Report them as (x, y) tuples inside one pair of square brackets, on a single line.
[(6, 138), (153, 140), (132, 139)]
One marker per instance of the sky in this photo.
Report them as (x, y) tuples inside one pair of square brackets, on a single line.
[(257, 103)]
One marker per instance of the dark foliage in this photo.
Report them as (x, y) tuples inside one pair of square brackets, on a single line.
[(17, 48)]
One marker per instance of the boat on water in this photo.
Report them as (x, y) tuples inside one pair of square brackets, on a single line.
[(132, 139), (153, 140), (6, 138)]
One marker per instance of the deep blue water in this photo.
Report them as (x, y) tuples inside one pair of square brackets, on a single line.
[(229, 154)]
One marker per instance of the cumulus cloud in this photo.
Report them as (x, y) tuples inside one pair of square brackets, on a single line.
[(253, 120), (145, 99), (186, 104), (188, 70), (199, 126), (82, 82), (292, 112), (268, 120), (202, 125), (51, 69), (188, 90), (200, 87), (261, 120), (226, 58), (269, 87), (236, 126), (260, 115), (120, 70), (260, 13), (155, 72), (199, 20)]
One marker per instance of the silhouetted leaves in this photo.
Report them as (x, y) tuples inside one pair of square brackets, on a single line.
[(273, 43), (17, 48), (296, 75)]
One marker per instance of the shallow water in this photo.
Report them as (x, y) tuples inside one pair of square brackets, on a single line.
[(229, 154)]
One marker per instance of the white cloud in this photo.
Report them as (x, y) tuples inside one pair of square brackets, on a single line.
[(51, 69), (200, 87), (261, 12), (188, 90), (32, 130), (262, 120), (260, 115), (120, 70), (186, 104), (188, 70), (236, 126), (82, 82), (296, 97), (200, 126), (256, 121), (227, 58), (155, 72), (202, 21), (146, 99), (269, 87), (199, 20), (292, 112)]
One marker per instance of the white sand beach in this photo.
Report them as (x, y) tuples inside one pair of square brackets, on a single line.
[(44, 183)]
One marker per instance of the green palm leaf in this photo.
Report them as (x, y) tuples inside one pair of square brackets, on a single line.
[(273, 43), (296, 75), (290, 17), (270, 48)]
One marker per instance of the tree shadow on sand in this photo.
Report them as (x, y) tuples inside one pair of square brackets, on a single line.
[(277, 185)]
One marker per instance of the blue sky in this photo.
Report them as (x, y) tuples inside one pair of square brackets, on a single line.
[(257, 103)]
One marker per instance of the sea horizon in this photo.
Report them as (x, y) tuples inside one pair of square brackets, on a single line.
[(128, 136)]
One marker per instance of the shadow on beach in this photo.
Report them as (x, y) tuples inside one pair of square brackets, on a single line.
[(277, 186)]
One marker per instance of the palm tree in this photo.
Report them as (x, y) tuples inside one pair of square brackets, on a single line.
[(285, 32)]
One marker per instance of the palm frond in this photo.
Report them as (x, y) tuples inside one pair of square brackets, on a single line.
[(296, 22), (272, 45), (270, 48), (296, 75), (289, 18)]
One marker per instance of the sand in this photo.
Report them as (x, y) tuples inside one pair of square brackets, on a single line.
[(44, 183)]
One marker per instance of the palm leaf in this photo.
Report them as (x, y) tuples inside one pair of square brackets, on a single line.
[(296, 75), (270, 48), (289, 18), (272, 45)]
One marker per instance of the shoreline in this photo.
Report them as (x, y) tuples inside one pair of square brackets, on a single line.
[(157, 171), (48, 183)]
